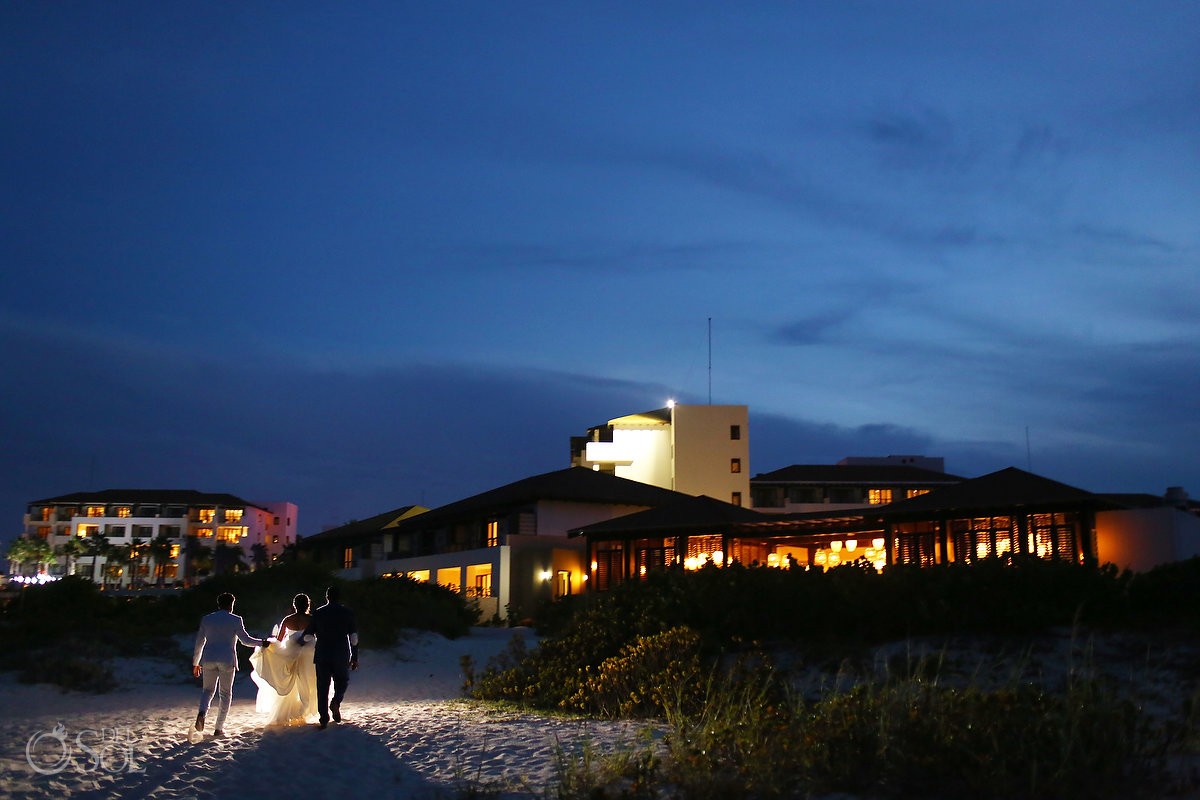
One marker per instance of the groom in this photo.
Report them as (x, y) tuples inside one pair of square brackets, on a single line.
[(215, 657), (336, 652)]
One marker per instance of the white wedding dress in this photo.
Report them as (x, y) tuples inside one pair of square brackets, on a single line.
[(287, 681)]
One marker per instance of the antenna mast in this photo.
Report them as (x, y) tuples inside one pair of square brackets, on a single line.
[(710, 361)]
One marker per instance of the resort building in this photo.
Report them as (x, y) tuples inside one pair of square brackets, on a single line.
[(694, 449), (133, 537), (1006, 512), (851, 483), (508, 547)]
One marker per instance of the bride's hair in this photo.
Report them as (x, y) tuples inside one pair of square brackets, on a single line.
[(301, 602)]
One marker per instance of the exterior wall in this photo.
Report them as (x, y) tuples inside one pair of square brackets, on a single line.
[(523, 572), (637, 453), (704, 450), (689, 450), (642, 454), (524, 568), (279, 528), (1141, 539), (555, 518)]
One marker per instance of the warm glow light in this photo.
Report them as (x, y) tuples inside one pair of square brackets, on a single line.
[(545, 575), (835, 546), (691, 562), (671, 403), (851, 544), (834, 559), (820, 558), (772, 559), (642, 570), (585, 577), (718, 558), (877, 544), (880, 564), (594, 566)]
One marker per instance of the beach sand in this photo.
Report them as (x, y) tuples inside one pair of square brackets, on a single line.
[(406, 732)]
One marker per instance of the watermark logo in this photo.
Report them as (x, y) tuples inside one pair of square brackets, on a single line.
[(89, 750)]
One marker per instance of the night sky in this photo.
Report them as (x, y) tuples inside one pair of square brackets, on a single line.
[(362, 255)]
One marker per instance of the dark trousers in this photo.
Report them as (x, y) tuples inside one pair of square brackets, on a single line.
[(339, 673)]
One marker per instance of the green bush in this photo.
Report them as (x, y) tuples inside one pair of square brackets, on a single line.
[(643, 678)]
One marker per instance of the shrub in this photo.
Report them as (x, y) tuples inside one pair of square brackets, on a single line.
[(643, 678)]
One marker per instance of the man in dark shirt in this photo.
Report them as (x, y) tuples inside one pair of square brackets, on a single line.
[(335, 654)]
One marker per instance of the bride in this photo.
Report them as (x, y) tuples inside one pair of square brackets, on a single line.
[(284, 672)]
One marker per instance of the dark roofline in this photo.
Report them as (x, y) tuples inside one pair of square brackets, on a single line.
[(573, 484), (185, 497), (832, 474), (683, 514), (1000, 491), (361, 527)]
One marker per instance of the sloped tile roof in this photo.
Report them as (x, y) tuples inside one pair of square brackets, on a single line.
[(364, 527), (1009, 488), (573, 484), (683, 513), (883, 474)]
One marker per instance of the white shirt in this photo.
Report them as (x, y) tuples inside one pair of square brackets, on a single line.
[(218, 636)]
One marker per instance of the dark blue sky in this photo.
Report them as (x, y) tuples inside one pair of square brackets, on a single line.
[(363, 255)]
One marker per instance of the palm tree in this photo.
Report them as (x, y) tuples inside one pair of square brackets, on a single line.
[(71, 550), (228, 557), (96, 545), (197, 557), (18, 553), (159, 550), (260, 557), (134, 554), (40, 552), (291, 552)]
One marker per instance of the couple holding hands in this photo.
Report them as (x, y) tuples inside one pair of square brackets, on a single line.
[(293, 675)]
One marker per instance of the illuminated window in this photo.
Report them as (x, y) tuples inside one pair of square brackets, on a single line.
[(483, 584), (230, 534), (206, 514), (87, 530), (419, 575), (44, 531), (233, 515), (879, 497), (124, 511), (174, 551), (348, 558), (202, 533), (735, 465), (493, 533), (46, 513), (735, 432), (95, 511), (736, 499), (917, 492)]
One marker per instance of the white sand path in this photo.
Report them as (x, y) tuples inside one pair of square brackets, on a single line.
[(406, 733)]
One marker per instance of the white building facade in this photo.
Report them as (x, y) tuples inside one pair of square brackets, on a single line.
[(136, 518), (694, 449)]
